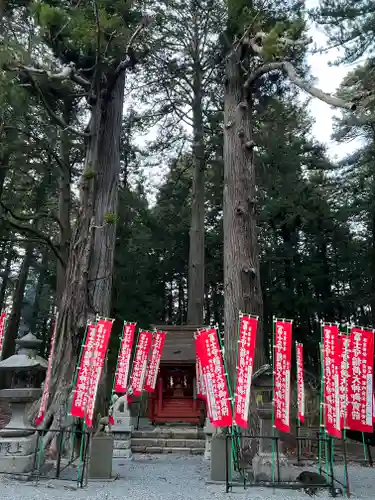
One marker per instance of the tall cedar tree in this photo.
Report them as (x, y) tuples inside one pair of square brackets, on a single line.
[(94, 45), (257, 47), (180, 86)]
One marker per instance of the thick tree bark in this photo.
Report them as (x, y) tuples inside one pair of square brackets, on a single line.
[(196, 248), (207, 309), (64, 203), (39, 291), (5, 274), (217, 306), (372, 260), (4, 162), (289, 244), (323, 285), (88, 284), (181, 301), (170, 303), (242, 289), (17, 299)]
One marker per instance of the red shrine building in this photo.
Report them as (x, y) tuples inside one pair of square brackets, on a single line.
[(174, 399)]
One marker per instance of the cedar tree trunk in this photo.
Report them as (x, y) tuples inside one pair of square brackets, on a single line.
[(17, 300), (242, 290), (196, 246), (87, 291), (6, 273), (64, 202)]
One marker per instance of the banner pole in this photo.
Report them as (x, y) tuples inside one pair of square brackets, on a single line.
[(231, 429), (52, 348), (73, 435), (86, 445), (118, 354), (273, 404), (238, 340), (321, 430), (84, 426), (363, 434), (346, 474), (140, 401), (298, 426), (236, 430), (332, 442), (326, 444)]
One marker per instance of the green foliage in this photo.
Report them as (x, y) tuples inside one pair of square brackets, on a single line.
[(111, 218), (50, 17), (349, 24), (316, 230), (89, 173)]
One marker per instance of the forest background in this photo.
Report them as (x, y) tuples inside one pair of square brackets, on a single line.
[(117, 150)]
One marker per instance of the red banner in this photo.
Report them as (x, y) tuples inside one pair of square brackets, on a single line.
[(331, 369), (3, 319), (79, 402), (344, 378), (300, 383), (202, 369), (218, 399), (360, 390), (123, 362), (153, 367), (201, 392), (245, 364), (103, 333), (47, 380), (282, 368), (140, 363)]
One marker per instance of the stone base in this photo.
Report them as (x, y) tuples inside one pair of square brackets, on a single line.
[(218, 462), (101, 454), (17, 465), (122, 445), (122, 453), (207, 448), (208, 429), (17, 454), (263, 464)]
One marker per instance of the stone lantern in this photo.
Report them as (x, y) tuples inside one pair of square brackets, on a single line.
[(18, 440), (263, 462)]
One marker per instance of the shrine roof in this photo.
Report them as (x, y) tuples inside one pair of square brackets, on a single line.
[(179, 343)]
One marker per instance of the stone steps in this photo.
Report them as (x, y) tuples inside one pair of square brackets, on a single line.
[(182, 433), (168, 439), (157, 451), (159, 445)]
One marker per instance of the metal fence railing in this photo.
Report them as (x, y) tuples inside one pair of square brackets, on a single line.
[(323, 478), (34, 462)]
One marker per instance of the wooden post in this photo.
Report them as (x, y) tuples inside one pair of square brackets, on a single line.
[(160, 393), (194, 395)]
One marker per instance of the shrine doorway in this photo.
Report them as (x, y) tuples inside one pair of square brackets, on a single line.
[(174, 400)]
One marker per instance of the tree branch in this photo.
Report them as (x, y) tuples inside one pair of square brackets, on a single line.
[(25, 218), (40, 236), (57, 119), (95, 83), (67, 73), (289, 69), (45, 144), (127, 62)]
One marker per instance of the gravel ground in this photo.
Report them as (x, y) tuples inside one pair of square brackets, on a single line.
[(169, 477)]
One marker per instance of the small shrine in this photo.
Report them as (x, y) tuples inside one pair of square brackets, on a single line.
[(174, 399)]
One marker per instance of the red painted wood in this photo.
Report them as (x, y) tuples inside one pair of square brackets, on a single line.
[(174, 399)]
